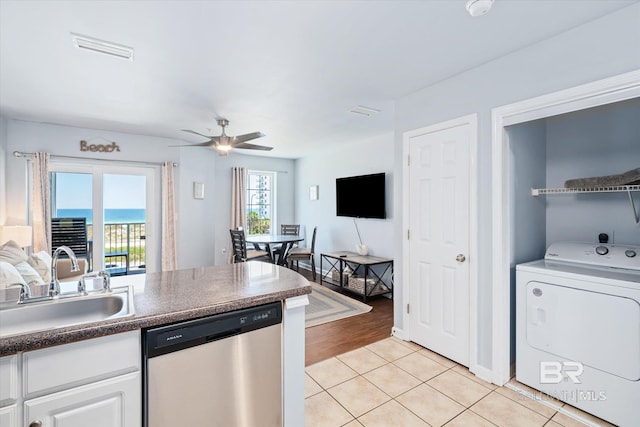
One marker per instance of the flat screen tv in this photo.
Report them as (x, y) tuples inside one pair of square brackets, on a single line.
[(361, 196)]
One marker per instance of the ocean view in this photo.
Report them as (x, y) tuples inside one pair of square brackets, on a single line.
[(111, 216)]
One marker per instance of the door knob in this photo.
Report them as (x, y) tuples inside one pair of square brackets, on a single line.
[(36, 423), (461, 258)]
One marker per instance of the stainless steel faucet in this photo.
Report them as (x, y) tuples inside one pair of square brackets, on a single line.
[(54, 286)]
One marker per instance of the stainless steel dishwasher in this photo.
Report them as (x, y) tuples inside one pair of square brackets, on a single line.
[(224, 370)]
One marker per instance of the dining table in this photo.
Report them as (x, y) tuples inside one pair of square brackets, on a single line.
[(269, 240)]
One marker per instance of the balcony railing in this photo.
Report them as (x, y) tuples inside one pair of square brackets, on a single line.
[(124, 248)]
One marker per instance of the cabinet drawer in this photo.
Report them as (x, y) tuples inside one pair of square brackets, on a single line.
[(9, 383), (70, 365), (114, 402)]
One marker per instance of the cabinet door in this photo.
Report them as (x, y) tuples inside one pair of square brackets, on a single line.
[(9, 383), (115, 402), (9, 416)]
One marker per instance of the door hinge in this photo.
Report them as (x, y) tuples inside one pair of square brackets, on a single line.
[(408, 309), (408, 160), (408, 234)]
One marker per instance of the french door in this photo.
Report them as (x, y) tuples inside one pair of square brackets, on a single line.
[(119, 205)]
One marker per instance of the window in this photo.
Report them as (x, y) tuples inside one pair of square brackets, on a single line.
[(261, 212)]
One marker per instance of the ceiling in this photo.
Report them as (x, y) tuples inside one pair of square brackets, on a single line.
[(291, 69)]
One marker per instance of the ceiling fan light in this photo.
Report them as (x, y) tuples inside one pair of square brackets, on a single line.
[(478, 7), (223, 148)]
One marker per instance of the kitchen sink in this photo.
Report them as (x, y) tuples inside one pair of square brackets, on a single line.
[(64, 312)]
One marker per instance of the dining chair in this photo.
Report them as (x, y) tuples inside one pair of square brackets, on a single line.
[(297, 254), (240, 252), (286, 230)]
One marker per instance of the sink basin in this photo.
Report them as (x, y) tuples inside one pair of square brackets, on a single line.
[(63, 312)]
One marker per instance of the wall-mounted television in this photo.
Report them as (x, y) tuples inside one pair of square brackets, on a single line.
[(361, 196)]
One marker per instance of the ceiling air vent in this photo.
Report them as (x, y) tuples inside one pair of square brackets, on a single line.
[(364, 111), (101, 46)]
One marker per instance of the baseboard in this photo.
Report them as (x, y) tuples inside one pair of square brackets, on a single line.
[(398, 333), (483, 373)]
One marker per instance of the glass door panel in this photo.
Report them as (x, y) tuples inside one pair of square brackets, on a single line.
[(125, 217), (72, 198)]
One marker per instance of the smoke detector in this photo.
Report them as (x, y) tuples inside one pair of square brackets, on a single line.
[(478, 7)]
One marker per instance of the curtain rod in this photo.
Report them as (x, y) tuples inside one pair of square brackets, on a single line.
[(21, 154)]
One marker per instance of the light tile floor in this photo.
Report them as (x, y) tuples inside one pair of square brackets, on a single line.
[(397, 383)]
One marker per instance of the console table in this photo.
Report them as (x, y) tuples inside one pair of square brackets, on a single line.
[(367, 283)]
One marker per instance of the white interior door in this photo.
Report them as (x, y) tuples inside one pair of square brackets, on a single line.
[(439, 241)]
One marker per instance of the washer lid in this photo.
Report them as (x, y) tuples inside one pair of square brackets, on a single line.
[(595, 254)]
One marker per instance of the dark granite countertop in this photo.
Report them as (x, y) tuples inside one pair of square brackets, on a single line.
[(163, 298)]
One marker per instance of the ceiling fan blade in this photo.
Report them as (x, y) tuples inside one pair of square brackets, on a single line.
[(247, 137), (248, 146), (202, 144), (196, 133)]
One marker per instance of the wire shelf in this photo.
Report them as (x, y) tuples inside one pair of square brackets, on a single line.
[(615, 189)]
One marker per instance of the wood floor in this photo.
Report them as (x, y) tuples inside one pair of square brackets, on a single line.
[(333, 338)]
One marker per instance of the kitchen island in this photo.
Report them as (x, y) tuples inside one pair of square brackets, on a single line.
[(158, 299)]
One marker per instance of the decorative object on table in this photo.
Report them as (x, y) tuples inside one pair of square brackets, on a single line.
[(360, 248), (313, 192), (326, 306), (297, 254), (347, 271), (224, 143), (198, 190), (374, 286), (629, 177)]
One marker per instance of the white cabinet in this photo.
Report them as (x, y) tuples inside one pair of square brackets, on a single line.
[(9, 416), (9, 391), (107, 403), (96, 382)]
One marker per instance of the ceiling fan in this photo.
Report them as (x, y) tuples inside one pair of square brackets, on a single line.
[(224, 143)]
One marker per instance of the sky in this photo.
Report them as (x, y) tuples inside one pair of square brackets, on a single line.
[(74, 191)]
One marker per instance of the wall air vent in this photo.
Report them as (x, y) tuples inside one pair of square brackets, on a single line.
[(364, 111), (101, 46)]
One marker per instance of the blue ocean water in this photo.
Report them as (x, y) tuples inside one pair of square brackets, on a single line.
[(111, 216)]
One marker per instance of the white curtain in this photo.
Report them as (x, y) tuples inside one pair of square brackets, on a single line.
[(169, 243), (238, 197), (41, 203)]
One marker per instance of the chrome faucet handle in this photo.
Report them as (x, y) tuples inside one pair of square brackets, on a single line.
[(106, 280), (25, 291), (82, 287)]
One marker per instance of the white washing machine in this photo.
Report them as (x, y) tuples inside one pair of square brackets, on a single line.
[(578, 328)]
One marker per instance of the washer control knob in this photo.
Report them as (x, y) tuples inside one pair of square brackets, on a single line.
[(630, 253), (602, 250)]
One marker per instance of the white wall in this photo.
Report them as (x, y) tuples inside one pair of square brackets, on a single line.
[(3, 170), (203, 225), (599, 49), (595, 142), (221, 218), (321, 169)]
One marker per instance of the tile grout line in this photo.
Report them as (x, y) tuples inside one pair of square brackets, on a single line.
[(558, 409)]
